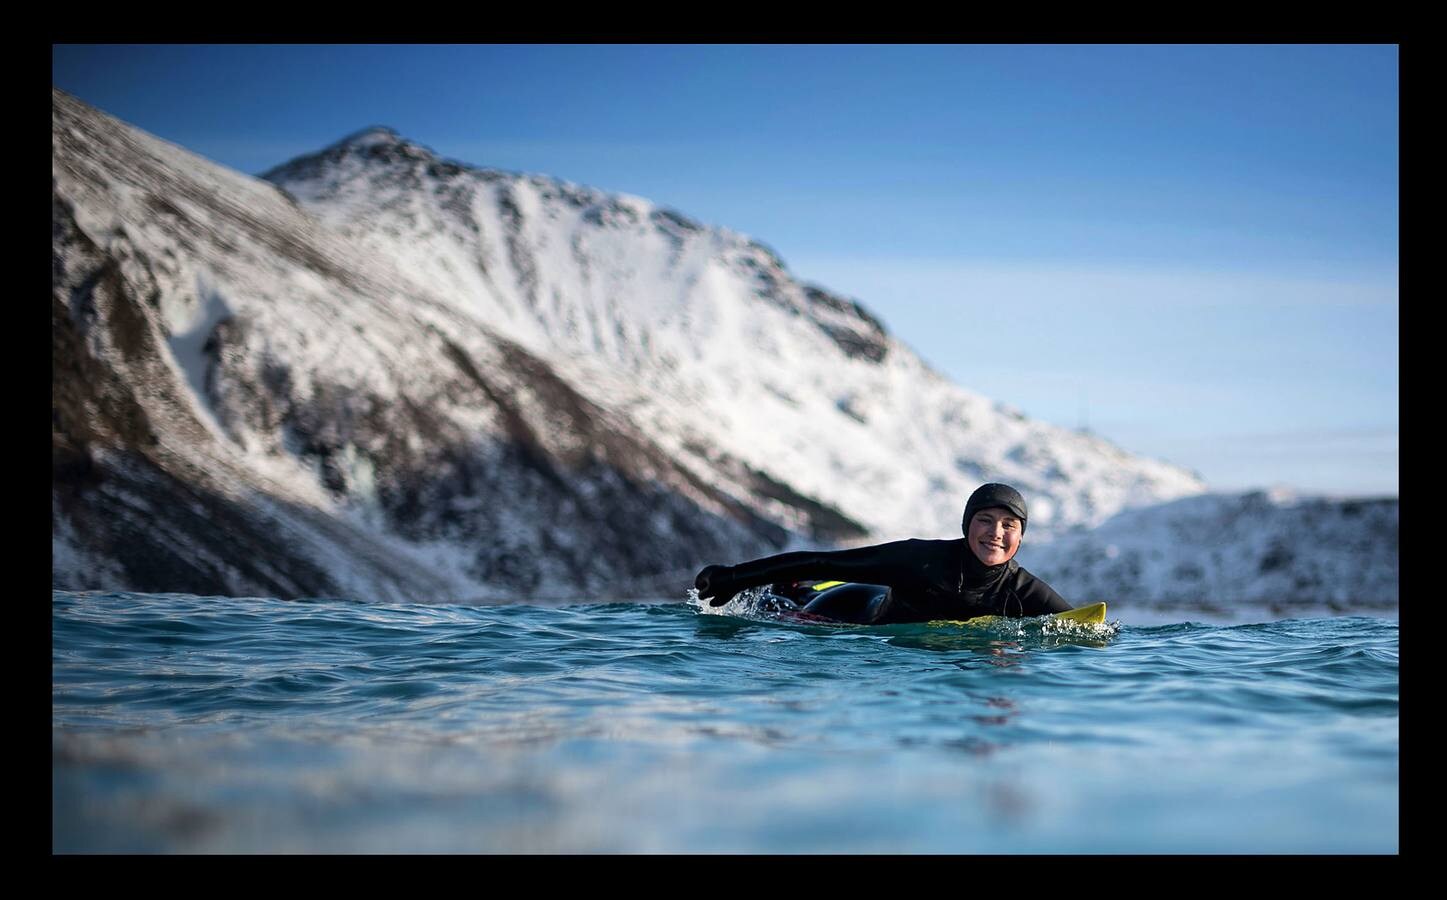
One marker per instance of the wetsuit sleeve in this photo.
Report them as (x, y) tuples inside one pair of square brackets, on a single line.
[(888, 564), (1037, 597)]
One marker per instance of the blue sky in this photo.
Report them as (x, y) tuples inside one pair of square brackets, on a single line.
[(1192, 250)]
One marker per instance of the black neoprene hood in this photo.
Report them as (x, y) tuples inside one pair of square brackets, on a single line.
[(995, 494)]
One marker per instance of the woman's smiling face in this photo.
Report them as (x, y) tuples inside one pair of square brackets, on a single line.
[(994, 535)]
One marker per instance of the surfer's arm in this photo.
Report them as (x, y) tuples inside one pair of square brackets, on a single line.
[(1039, 598), (881, 564)]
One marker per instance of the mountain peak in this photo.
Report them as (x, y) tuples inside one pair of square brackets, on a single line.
[(372, 136), (380, 142), (377, 143)]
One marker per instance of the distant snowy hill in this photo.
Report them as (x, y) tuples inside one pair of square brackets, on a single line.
[(382, 374), (1268, 551)]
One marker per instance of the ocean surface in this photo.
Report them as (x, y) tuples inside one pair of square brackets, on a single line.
[(186, 724)]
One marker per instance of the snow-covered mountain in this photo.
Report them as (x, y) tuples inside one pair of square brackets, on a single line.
[(386, 375), (710, 343)]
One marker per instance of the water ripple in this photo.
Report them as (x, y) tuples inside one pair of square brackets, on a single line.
[(317, 724)]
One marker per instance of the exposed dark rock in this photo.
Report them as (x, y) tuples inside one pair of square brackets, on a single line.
[(672, 220), (859, 334), (170, 533)]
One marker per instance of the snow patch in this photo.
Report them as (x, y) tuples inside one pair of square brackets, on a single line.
[(190, 326)]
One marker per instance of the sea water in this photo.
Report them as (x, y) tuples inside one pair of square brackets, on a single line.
[(221, 724)]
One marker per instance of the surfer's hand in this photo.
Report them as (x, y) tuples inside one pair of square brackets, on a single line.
[(713, 585)]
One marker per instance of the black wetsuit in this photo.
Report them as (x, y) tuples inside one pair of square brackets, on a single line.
[(926, 580)]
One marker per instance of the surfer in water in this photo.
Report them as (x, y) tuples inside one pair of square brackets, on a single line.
[(913, 580)]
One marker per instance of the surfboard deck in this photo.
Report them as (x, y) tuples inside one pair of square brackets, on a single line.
[(1093, 614)]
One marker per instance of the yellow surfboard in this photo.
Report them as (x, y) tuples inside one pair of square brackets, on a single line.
[(1091, 614), (1094, 614)]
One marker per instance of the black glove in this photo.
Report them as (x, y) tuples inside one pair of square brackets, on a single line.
[(714, 584)]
